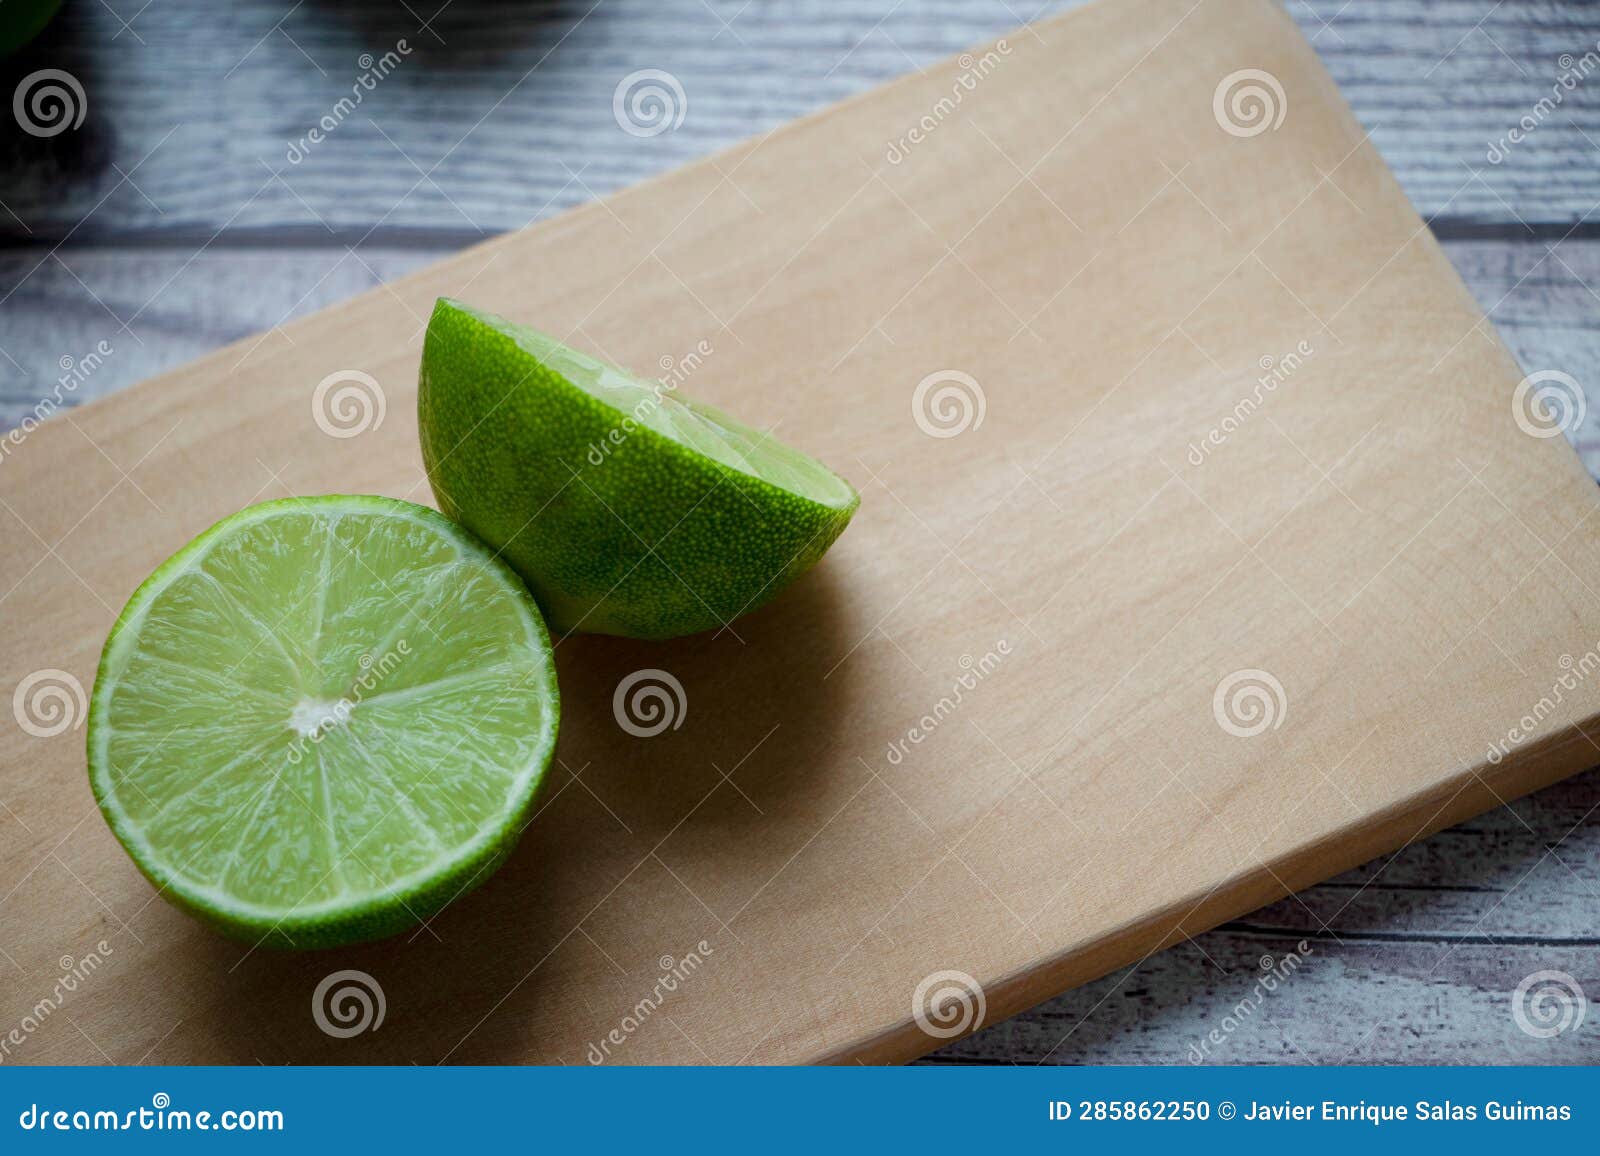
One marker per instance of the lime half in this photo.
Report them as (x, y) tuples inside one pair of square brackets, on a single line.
[(628, 509), (323, 719)]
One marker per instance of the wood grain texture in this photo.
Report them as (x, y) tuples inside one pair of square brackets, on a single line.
[(159, 307), (501, 114), (1413, 958), (1451, 1010)]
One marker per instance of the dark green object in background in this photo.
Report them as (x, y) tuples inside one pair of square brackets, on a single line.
[(22, 20)]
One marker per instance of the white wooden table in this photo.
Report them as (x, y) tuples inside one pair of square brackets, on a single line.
[(192, 208)]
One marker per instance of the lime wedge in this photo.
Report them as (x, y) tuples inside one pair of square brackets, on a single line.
[(628, 509), (323, 719)]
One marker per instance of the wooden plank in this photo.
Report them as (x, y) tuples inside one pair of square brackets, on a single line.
[(1431, 910), (1543, 323), (497, 116), (1346, 1003), (1413, 958), (159, 307), (852, 870)]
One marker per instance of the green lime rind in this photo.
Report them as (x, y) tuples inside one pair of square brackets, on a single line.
[(406, 880), (627, 509)]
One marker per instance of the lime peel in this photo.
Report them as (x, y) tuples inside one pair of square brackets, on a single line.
[(628, 509), (281, 760)]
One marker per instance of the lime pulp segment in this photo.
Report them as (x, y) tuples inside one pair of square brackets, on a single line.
[(323, 719), (691, 424)]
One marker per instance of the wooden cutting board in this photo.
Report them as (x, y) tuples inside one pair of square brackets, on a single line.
[(1202, 555)]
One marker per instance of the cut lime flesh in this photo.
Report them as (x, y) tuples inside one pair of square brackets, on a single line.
[(628, 509), (691, 424), (323, 719)]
